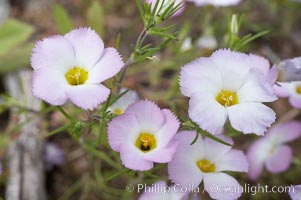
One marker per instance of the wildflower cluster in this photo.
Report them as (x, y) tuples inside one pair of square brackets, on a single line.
[(227, 90)]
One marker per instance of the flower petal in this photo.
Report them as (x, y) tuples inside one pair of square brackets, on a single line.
[(87, 96), (162, 155), (49, 84), (207, 112), (280, 160), (55, 52), (214, 150), (215, 2), (148, 114), (88, 46), (222, 186), (259, 64), (272, 75), (182, 169), (295, 192), (107, 66), (120, 130), (255, 170), (256, 88), (169, 129), (132, 159), (285, 132), (123, 102), (231, 65), (234, 160), (295, 101), (196, 75), (258, 152), (251, 117), (281, 89)]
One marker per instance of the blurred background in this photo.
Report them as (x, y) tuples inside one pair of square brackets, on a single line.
[(67, 170)]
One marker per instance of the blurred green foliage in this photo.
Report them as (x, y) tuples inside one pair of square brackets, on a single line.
[(95, 17), (14, 50), (234, 40), (62, 19)]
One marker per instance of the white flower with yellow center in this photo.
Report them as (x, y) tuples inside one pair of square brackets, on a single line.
[(292, 90), (229, 85), (72, 67), (143, 134), (207, 160), (119, 106)]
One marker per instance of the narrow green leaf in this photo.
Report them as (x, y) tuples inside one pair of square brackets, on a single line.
[(254, 37), (176, 8), (62, 19), (166, 14), (103, 156), (149, 174), (60, 129), (116, 174), (155, 8), (195, 138), (65, 113), (140, 8), (119, 96), (206, 134), (166, 35), (95, 17), (102, 122)]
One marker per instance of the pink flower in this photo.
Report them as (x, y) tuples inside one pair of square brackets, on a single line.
[(167, 3), (72, 67), (143, 135), (206, 160), (292, 90), (229, 85), (215, 2), (295, 192), (271, 151)]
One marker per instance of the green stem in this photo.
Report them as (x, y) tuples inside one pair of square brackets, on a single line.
[(116, 175), (71, 190), (102, 120), (65, 113), (102, 156), (85, 192), (123, 71), (130, 61), (58, 130)]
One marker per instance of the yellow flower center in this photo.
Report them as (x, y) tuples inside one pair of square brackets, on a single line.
[(205, 166), (298, 89), (76, 76), (146, 142), (117, 111), (227, 98)]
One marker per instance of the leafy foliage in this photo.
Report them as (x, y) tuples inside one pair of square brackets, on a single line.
[(13, 37)]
